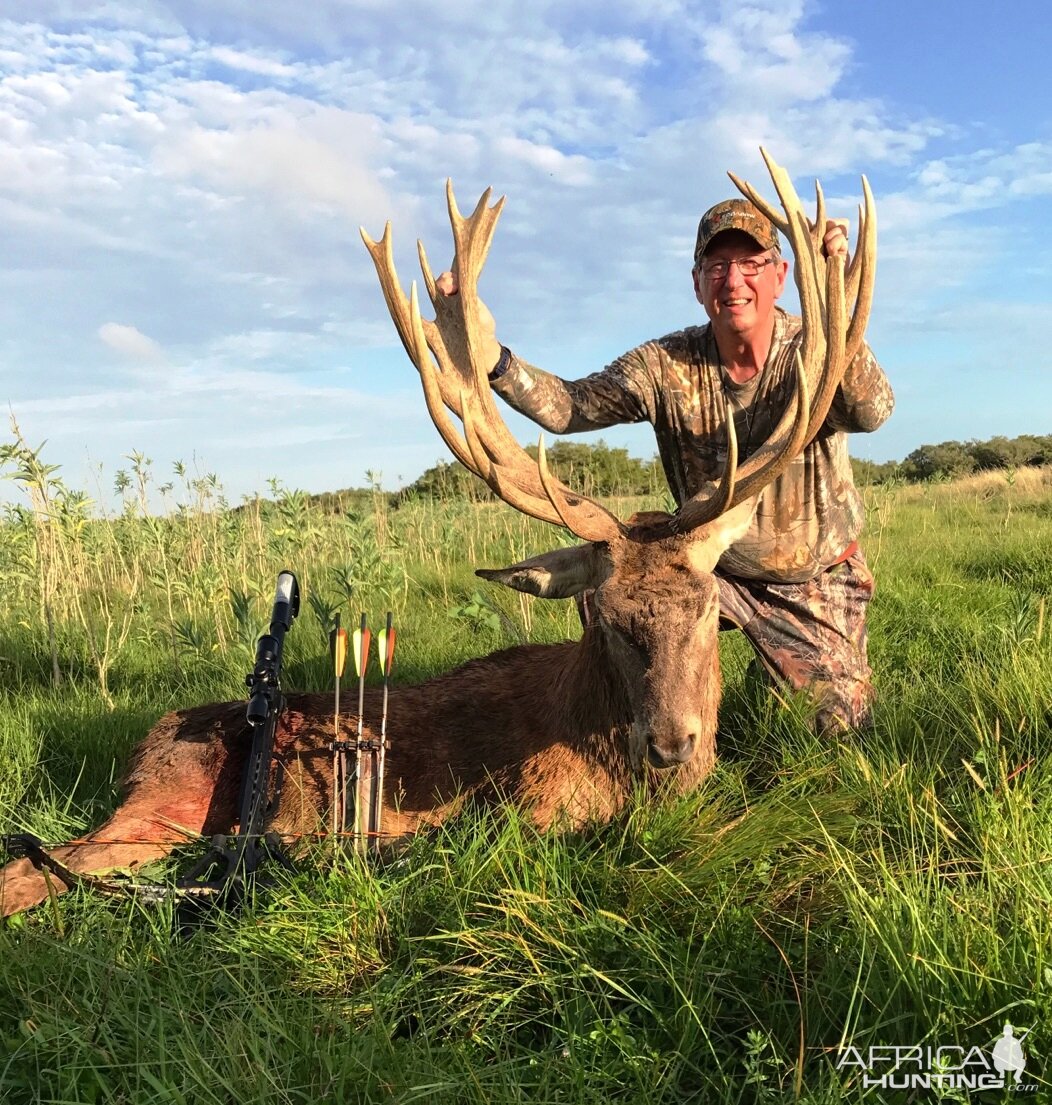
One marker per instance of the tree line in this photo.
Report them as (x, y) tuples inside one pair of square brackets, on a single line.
[(593, 469), (952, 459), (599, 469)]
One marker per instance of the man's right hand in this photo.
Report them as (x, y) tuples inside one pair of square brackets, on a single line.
[(446, 285)]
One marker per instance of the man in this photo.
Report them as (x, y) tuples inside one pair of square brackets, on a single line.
[(797, 584)]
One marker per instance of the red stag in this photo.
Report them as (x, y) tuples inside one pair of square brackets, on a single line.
[(564, 729)]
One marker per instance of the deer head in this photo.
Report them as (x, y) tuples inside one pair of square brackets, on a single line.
[(656, 600)]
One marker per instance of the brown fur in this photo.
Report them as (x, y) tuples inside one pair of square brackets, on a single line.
[(545, 726)]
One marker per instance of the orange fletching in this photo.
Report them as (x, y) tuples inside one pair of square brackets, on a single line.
[(338, 646)]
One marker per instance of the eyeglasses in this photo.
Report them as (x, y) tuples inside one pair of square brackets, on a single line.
[(747, 266)]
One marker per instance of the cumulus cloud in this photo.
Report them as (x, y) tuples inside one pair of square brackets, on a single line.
[(565, 168), (130, 343), (759, 53)]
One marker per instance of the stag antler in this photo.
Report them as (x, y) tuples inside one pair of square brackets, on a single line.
[(448, 355), (861, 272)]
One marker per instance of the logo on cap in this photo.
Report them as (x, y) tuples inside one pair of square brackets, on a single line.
[(735, 215)]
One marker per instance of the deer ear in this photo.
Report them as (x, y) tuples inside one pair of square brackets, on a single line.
[(710, 541), (559, 574)]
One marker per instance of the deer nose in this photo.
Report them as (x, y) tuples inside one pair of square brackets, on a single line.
[(668, 753)]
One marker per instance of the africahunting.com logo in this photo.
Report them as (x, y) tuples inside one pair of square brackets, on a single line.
[(941, 1067)]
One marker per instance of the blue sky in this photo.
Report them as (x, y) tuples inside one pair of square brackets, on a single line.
[(181, 186)]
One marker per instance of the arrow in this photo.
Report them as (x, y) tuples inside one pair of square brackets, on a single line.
[(338, 652), (386, 643), (361, 662)]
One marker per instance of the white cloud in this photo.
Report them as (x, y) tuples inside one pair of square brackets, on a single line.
[(251, 63), (761, 56), (130, 342), (297, 154), (567, 169)]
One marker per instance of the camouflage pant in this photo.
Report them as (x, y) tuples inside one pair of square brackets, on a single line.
[(810, 635)]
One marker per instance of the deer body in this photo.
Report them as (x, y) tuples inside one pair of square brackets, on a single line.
[(548, 726), (563, 730)]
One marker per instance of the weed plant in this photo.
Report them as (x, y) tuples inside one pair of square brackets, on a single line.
[(890, 888)]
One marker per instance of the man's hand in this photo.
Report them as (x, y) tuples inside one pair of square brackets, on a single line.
[(446, 285), (834, 243)]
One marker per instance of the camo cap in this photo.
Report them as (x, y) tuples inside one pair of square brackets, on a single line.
[(735, 215)]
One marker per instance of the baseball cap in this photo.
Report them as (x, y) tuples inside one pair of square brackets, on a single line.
[(737, 214)]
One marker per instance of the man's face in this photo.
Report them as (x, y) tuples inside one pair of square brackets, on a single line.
[(740, 306)]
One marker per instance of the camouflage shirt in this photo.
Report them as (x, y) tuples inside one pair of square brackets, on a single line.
[(808, 516)]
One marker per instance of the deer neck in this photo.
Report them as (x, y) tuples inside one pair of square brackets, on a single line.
[(590, 690)]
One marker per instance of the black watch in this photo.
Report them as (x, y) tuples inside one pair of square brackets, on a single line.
[(502, 365)]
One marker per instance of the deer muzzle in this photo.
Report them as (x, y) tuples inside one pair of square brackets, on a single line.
[(671, 747)]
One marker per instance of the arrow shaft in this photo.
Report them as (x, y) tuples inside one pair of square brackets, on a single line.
[(387, 660), (361, 658)]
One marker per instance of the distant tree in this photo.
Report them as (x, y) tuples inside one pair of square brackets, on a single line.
[(446, 480), (598, 469), (948, 459), (997, 452), (869, 473), (1035, 449), (593, 469)]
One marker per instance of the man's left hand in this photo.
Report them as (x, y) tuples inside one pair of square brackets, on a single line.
[(834, 243)]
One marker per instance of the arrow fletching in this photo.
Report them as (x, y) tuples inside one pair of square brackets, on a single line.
[(338, 649), (362, 639), (385, 646)]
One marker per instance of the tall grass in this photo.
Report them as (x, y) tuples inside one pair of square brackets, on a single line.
[(889, 888)]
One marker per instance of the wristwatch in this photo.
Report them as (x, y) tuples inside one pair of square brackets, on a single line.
[(502, 365)]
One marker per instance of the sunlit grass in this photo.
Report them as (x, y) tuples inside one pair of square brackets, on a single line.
[(890, 888)]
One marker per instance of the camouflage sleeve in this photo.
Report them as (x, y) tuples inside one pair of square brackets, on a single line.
[(864, 401), (621, 392)]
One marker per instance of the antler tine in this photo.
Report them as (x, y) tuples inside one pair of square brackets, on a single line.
[(854, 265), (458, 319), (778, 452), (547, 510), (806, 268), (590, 525), (398, 306), (818, 228), (699, 510), (436, 407), (754, 197), (425, 269), (866, 259), (581, 515), (765, 465), (383, 258), (472, 238), (835, 361), (490, 473)]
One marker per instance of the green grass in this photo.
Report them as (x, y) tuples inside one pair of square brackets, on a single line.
[(892, 888)]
